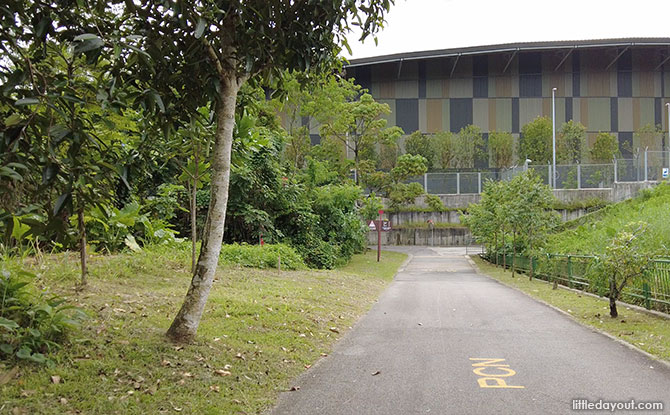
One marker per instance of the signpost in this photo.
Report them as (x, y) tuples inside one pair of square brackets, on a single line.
[(665, 172)]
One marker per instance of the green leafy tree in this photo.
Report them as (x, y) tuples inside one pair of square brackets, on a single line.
[(501, 149), (56, 122), (359, 126), (605, 148), (649, 137), (233, 38), (371, 207), (570, 142), (419, 144), (443, 144), (624, 261), (535, 143), (468, 147)]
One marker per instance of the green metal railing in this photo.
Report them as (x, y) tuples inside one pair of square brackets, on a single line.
[(651, 292)]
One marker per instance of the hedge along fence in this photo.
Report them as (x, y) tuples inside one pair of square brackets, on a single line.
[(576, 271)]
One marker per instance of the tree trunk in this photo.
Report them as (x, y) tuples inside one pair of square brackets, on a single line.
[(496, 250), (185, 324), (194, 228), (82, 247), (530, 257), (504, 249), (613, 297), (513, 251)]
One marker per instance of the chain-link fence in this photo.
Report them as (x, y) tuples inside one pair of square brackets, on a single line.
[(643, 166)]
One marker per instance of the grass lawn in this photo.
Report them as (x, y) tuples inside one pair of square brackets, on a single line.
[(261, 329), (647, 332)]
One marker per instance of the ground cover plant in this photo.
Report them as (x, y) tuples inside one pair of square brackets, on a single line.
[(260, 329)]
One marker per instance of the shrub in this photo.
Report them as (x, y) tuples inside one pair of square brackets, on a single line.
[(435, 203), (31, 326), (256, 256), (320, 254)]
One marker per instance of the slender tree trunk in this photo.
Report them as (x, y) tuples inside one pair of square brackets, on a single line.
[(613, 296), (185, 324), (530, 258), (504, 249), (194, 228), (513, 251), (496, 249), (82, 247)]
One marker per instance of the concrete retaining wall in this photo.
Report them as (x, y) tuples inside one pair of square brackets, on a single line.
[(618, 192), (426, 237)]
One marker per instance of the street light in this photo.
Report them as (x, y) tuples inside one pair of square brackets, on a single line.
[(553, 132)]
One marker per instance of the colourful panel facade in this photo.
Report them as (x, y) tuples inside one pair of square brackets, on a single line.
[(612, 87)]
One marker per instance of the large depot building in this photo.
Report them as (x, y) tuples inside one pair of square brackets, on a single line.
[(613, 85)]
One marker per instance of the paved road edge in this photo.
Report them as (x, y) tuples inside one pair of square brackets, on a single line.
[(571, 317)]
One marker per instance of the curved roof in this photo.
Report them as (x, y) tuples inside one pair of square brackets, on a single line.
[(511, 47)]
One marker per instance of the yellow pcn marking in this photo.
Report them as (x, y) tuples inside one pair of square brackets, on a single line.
[(492, 373)]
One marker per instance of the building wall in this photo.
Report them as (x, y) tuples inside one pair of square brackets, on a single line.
[(425, 95)]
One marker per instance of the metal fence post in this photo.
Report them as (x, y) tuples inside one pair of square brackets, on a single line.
[(647, 295), (646, 168), (425, 182), (458, 183), (549, 177), (616, 175), (479, 182), (579, 176), (569, 271)]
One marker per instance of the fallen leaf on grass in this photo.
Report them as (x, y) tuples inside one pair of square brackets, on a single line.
[(55, 379), (222, 372), (334, 330), (215, 388), (7, 376), (240, 356)]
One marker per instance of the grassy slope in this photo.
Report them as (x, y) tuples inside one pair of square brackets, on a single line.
[(649, 333), (590, 234), (260, 330)]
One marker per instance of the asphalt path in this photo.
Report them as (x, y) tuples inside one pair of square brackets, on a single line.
[(413, 353)]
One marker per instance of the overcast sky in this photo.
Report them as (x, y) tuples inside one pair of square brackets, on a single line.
[(416, 25)]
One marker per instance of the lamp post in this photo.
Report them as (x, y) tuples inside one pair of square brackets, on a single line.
[(553, 133)]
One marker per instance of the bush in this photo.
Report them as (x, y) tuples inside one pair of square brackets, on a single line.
[(256, 256), (320, 254), (31, 326), (435, 203)]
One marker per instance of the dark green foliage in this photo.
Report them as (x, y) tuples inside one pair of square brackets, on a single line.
[(435, 203), (570, 142), (371, 207), (501, 149), (605, 148), (419, 144), (535, 143), (32, 326)]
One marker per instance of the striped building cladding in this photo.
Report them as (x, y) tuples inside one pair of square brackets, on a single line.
[(616, 86)]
